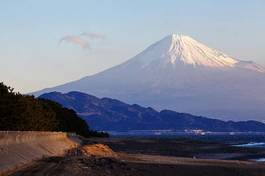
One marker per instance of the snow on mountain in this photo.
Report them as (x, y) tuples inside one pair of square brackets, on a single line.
[(180, 49), (182, 74), (184, 50)]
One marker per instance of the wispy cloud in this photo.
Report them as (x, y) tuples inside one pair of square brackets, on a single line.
[(75, 40), (83, 40), (93, 35)]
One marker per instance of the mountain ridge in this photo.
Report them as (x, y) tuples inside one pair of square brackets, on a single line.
[(111, 114)]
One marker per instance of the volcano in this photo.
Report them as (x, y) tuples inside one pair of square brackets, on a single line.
[(182, 74)]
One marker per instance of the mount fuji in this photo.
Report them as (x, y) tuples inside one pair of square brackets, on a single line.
[(182, 74)]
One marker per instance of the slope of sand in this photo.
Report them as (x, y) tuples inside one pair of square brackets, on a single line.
[(20, 148), (98, 150)]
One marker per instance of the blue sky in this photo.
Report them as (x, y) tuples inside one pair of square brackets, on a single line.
[(30, 30)]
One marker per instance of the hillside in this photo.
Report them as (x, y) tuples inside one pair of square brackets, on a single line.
[(26, 113), (111, 114)]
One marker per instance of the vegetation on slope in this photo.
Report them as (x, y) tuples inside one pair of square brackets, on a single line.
[(25, 113), (113, 115)]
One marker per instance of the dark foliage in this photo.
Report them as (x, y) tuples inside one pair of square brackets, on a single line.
[(26, 113)]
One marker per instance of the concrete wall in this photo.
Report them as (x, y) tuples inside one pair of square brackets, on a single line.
[(20, 148)]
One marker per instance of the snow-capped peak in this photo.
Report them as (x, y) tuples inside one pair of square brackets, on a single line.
[(177, 50), (184, 49)]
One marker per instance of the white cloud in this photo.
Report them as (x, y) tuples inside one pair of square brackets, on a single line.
[(83, 40), (93, 35), (75, 40)]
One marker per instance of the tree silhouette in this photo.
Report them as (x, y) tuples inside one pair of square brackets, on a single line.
[(26, 113)]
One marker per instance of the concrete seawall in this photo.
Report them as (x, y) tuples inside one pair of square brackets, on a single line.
[(21, 148)]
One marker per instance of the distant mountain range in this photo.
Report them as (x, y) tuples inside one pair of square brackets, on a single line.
[(111, 114), (184, 75)]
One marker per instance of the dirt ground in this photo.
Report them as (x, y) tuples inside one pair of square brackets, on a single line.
[(106, 162)]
